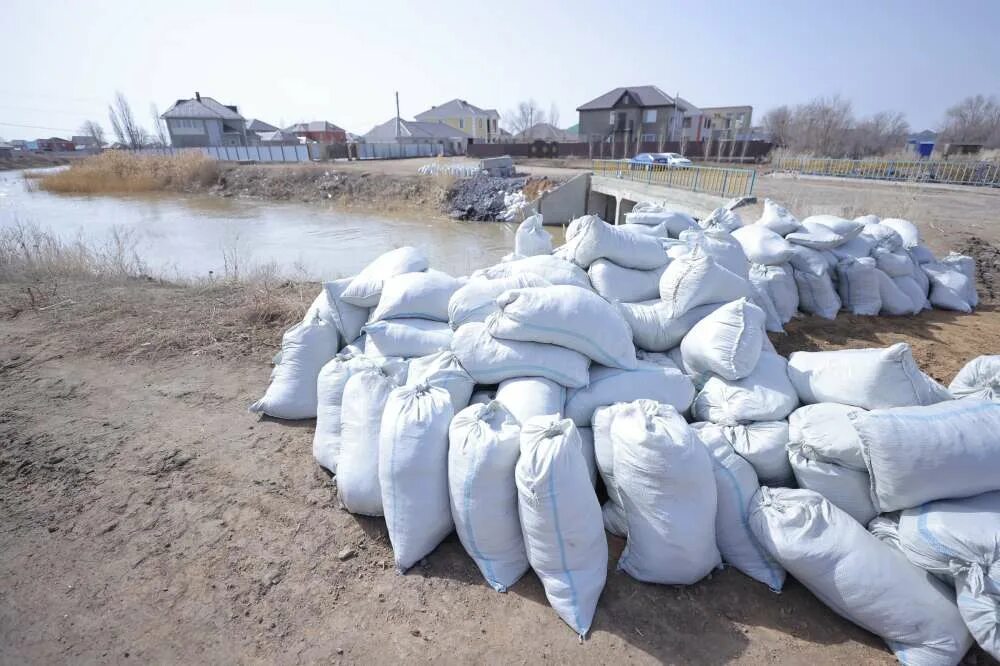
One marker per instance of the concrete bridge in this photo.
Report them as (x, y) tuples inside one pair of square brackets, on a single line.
[(614, 189)]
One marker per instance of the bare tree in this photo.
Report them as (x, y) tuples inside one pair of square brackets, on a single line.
[(527, 115), (778, 123), (94, 131), (883, 133), (554, 114), (126, 128), (975, 119), (159, 126)]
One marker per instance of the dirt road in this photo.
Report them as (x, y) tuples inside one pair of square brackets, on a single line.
[(147, 516)]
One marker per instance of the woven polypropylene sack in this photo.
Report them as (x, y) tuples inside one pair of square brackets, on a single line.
[(416, 296), (366, 288), (697, 279), (627, 285), (763, 395), (365, 396), (655, 328), (664, 383), (727, 342), (490, 360), (978, 379), (528, 397), (305, 349), (477, 299), (592, 238), (406, 337), (531, 238)]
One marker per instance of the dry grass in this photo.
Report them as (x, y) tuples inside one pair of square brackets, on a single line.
[(102, 299), (123, 172)]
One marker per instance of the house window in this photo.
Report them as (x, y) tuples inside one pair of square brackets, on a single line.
[(708, 123), (686, 123), (480, 123), (649, 116), (612, 121), (649, 137), (461, 123)]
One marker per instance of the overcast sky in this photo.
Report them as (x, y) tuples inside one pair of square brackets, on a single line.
[(283, 62)]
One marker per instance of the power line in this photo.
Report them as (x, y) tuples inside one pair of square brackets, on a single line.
[(58, 129)]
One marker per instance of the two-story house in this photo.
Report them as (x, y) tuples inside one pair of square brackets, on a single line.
[(202, 121), (726, 123), (482, 125), (638, 113)]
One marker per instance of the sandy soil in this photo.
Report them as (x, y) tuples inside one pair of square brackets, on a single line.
[(147, 516)]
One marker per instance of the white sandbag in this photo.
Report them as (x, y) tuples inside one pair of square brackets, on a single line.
[(551, 268), (366, 287), (722, 219), (736, 483), (883, 237), (825, 455), (918, 454), (978, 379), (653, 326), (628, 285), (528, 397), (484, 445), (482, 397), (760, 298), (808, 260), (413, 471), (343, 317), (779, 284), (697, 279), (406, 337), (531, 238), (567, 316), (894, 264), (949, 287), (442, 370), (612, 512), (777, 218), (416, 296), (907, 231), (661, 382), (921, 254), (858, 286), (893, 299), (867, 378), (846, 229), (817, 295), (305, 349), (589, 457), (763, 395), (490, 360), (815, 236), (855, 248), (667, 487), (721, 246), (660, 231), (673, 221), (592, 238), (859, 577), (913, 289), (330, 386), (763, 246), (956, 540), (365, 396), (762, 444), (477, 299), (967, 266), (561, 519), (727, 342)]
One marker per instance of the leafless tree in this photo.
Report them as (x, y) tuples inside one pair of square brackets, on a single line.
[(526, 115), (554, 114), (94, 131), (778, 122), (975, 119), (820, 127), (881, 134), (123, 123), (159, 126)]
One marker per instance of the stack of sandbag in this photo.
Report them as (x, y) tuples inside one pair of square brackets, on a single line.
[(956, 540), (411, 316), (858, 576), (665, 221), (531, 238), (622, 265)]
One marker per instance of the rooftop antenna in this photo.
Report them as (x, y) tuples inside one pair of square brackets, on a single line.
[(397, 114)]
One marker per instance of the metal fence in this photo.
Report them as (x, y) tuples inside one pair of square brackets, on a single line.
[(298, 153), (727, 182), (982, 174), (394, 150)]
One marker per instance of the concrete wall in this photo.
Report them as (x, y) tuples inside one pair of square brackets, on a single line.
[(567, 202), (625, 194)]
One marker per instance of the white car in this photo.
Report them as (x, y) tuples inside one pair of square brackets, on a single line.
[(669, 159)]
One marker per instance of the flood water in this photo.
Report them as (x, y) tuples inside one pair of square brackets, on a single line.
[(190, 235)]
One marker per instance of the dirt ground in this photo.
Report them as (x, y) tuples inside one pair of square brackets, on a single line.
[(146, 516)]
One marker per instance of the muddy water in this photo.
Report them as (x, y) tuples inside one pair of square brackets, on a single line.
[(191, 235)]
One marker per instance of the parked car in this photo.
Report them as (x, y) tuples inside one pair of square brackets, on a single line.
[(668, 159)]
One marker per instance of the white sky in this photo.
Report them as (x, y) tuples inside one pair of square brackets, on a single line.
[(61, 62)]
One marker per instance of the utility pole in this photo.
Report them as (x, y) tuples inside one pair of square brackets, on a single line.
[(397, 115)]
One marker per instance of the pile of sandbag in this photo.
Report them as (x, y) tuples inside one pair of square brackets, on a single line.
[(632, 366)]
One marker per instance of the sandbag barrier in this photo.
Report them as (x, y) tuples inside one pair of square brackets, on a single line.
[(624, 384)]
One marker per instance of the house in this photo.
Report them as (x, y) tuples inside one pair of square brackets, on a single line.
[(6, 151), (481, 125), (19, 144), (85, 142), (623, 113), (320, 131), (726, 123), (545, 132), (277, 138), (53, 144), (202, 121), (397, 130), (257, 125)]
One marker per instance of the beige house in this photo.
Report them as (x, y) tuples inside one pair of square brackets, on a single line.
[(482, 125), (726, 123)]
